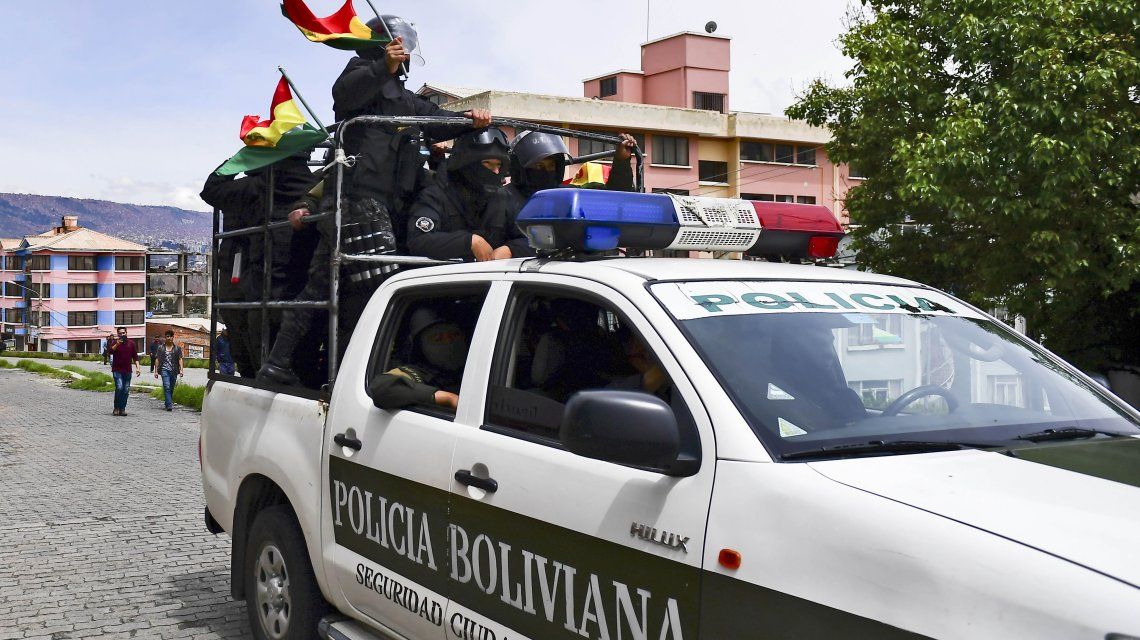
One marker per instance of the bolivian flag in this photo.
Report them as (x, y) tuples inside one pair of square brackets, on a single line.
[(592, 175), (341, 30), (283, 116), (284, 134)]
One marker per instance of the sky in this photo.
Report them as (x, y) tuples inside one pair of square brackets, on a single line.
[(137, 101)]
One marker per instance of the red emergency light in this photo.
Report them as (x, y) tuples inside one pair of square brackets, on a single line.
[(792, 230)]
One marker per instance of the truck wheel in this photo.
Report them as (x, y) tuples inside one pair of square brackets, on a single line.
[(282, 597)]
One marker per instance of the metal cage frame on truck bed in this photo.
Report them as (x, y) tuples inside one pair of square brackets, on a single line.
[(336, 255)]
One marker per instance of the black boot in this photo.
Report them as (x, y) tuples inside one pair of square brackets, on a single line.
[(276, 374)]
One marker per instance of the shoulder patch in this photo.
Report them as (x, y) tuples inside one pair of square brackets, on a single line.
[(425, 224)]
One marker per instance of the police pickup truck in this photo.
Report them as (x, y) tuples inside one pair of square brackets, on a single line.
[(655, 448)]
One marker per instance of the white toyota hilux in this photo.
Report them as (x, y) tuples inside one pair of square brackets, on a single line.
[(651, 448)]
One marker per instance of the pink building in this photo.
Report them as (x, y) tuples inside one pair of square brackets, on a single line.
[(677, 106), (66, 289)]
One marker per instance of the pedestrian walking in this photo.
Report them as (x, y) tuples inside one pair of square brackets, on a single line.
[(152, 350), (123, 355), (168, 365), (107, 347), (223, 354)]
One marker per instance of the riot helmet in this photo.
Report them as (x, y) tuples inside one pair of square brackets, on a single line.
[(394, 27), (468, 154), (527, 150)]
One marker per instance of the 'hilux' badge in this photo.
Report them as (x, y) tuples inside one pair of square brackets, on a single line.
[(663, 538)]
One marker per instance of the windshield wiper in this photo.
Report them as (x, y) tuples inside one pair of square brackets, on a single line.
[(881, 446), (1067, 433)]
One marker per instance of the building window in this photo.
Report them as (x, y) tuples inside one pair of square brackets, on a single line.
[(1006, 390), (129, 290), (876, 394), (438, 99), (83, 346), (588, 147), (762, 197), (712, 171), (81, 319), (708, 101), (44, 316), (670, 150), (781, 198), (855, 171), (81, 291), (785, 153), (887, 329), (39, 263), (757, 151), (676, 192), (607, 87), (129, 263), (805, 199), (805, 155), (80, 263), (123, 318)]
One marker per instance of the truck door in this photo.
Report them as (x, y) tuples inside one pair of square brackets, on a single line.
[(548, 544), (388, 472)]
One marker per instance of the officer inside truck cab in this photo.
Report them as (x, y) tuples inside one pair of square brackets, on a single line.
[(537, 162), (450, 217), (387, 174), (434, 367)]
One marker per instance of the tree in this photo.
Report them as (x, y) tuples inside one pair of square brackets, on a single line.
[(1008, 133)]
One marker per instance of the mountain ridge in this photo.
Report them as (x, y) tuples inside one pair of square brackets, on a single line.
[(24, 214)]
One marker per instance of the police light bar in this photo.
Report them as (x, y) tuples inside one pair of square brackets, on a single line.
[(587, 220)]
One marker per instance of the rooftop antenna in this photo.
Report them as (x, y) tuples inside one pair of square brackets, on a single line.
[(647, 20)]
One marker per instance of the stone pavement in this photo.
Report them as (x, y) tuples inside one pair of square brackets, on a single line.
[(196, 377), (101, 532)]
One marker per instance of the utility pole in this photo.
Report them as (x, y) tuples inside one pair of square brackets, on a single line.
[(28, 310)]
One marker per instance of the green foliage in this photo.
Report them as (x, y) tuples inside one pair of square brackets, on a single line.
[(43, 369), (144, 360), (1009, 133), (91, 380), (184, 394), (4, 364)]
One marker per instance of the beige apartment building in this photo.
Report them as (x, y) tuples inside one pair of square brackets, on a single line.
[(677, 106)]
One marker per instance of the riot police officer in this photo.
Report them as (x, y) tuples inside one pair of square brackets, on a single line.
[(387, 173), (449, 218), (538, 161), (242, 202)]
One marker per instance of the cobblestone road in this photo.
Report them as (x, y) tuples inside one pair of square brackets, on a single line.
[(101, 532)]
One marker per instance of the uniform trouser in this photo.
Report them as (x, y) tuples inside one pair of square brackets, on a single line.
[(241, 349), (367, 229)]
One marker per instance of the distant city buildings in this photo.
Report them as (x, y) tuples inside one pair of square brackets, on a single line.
[(64, 290), (677, 106)]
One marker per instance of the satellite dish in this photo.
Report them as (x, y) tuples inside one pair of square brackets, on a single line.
[(710, 26)]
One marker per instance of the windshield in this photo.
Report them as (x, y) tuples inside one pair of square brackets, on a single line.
[(814, 365)]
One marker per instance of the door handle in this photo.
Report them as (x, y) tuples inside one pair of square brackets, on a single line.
[(464, 476), (345, 441)]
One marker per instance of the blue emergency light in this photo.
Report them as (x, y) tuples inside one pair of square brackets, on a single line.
[(591, 220)]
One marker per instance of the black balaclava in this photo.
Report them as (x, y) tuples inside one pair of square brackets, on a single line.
[(539, 179)]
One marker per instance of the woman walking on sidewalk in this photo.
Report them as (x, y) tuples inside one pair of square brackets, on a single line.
[(168, 364), (123, 355)]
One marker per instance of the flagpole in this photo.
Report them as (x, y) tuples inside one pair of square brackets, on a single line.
[(403, 68), (302, 99)]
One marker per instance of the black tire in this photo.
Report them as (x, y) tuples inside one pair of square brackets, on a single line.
[(282, 599)]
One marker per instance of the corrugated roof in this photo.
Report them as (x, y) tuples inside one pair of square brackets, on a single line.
[(8, 244), (80, 240)]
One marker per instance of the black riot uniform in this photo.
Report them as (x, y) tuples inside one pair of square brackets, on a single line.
[(242, 202), (387, 173), (454, 207), (527, 149)]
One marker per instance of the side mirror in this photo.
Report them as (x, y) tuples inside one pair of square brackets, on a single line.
[(625, 427)]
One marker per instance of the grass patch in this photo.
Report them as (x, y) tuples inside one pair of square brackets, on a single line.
[(4, 364), (191, 363), (91, 380), (186, 395), (43, 369)]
